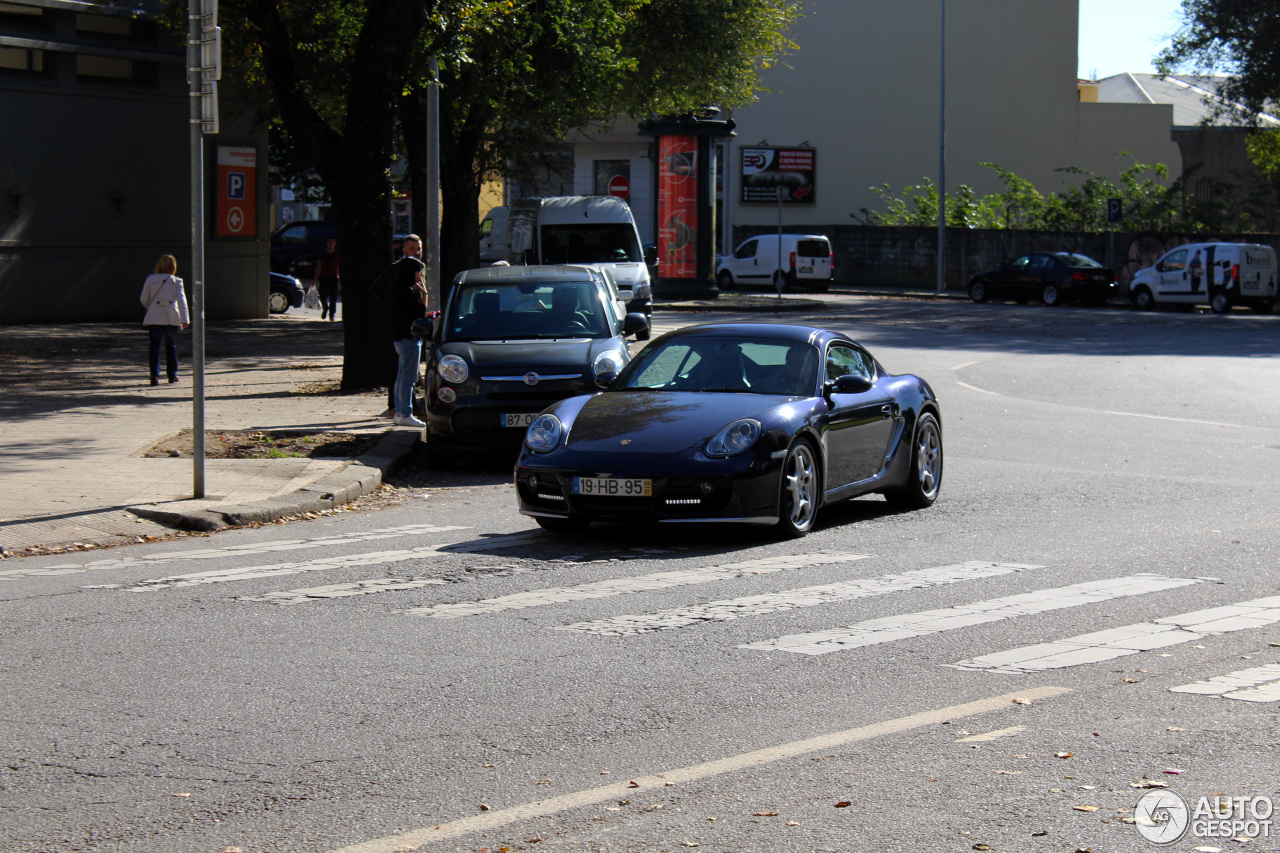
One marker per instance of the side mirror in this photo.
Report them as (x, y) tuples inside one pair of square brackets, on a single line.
[(425, 328), (634, 323), (626, 295), (850, 383), (650, 254)]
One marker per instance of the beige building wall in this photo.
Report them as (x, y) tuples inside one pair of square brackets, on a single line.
[(864, 90)]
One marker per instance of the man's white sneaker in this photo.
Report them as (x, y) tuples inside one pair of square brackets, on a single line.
[(409, 421)]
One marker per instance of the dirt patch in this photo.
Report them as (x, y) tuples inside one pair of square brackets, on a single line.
[(267, 444)]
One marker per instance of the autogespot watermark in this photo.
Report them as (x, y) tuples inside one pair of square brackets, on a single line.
[(1163, 817)]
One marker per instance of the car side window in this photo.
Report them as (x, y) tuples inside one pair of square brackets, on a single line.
[(1040, 263), (1021, 263), (295, 236), (747, 250), (843, 360)]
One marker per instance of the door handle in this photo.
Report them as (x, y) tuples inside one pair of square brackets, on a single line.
[(889, 410)]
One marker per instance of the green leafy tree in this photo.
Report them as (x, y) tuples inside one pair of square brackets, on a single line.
[(1235, 37)]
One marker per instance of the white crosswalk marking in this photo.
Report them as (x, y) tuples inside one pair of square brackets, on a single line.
[(642, 583), (890, 628), (343, 590), (1130, 639), (1259, 684), (756, 605)]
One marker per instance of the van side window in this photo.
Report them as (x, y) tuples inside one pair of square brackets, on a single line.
[(747, 250), (1175, 262)]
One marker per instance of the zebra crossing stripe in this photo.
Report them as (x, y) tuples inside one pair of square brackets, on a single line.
[(757, 605), (641, 583), (887, 629), (1259, 684), (1130, 639)]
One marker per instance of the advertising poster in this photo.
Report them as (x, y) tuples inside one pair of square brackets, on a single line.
[(236, 207), (765, 171), (678, 206)]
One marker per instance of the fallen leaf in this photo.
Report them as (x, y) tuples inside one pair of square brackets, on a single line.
[(1085, 808), (241, 849), (1175, 729), (1208, 849), (1088, 787), (843, 804), (484, 807), (981, 847), (1240, 839), (1040, 834), (1018, 700), (1148, 783), (1064, 755), (183, 794), (793, 823), (633, 784), (765, 814), (689, 843), (653, 807), (1172, 771)]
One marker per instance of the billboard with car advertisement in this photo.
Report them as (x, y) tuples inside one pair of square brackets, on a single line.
[(765, 171), (678, 206)]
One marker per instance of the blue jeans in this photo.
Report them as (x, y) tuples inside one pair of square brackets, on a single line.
[(169, 334), (409, 351)]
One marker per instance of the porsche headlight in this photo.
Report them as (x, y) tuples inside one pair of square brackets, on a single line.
[(544, 433), (607, 362), (453, 369), (735, 438)]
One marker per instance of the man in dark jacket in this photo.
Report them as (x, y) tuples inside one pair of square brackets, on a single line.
[(405, 301)]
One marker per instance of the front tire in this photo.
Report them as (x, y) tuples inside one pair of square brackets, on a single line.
[(438, 456), (724, 281), (978, 291), (1051, 295), (1143, 300), (925, 482), (277, 303), (798, 494)]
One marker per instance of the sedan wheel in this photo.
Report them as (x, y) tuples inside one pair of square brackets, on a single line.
[(978, 292), (801, 485), (926, 467), (1051, 295), (277, 303)]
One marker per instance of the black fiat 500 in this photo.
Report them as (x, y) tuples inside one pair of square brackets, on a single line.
[(511, 341)]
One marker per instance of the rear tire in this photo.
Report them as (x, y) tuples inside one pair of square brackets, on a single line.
[(277, 303), (1219, 301), (978, 291), (799, 491), (1051, 295), (925, 482)]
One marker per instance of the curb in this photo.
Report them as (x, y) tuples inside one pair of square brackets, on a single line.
[(361, 477), (771, 303)]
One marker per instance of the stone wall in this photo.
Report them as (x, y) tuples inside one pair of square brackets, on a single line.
[(893, 256)]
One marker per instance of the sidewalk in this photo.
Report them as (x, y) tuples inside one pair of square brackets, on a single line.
[(77, 412)]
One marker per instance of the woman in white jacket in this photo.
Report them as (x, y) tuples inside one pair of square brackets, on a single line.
[(166, 305)]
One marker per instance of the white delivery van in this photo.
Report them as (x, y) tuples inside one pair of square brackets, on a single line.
[(779, 261), (1220, 275), (591, 231), (493, 235)]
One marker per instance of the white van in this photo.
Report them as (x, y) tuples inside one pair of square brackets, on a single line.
[(1220, 275), (803, 260), (591, 231), (493, 235)]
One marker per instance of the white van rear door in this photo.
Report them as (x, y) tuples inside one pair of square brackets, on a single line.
[(1257, 271)]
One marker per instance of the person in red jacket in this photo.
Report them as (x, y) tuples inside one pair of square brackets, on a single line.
[(326, 279)]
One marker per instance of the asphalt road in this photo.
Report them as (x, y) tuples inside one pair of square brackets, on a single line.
[(441, 675)]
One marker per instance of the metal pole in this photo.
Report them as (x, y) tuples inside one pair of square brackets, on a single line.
[(432, 201), (780, 286), (942, 156), (195, 80)]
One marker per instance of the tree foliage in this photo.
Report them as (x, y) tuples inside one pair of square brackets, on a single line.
[(1149, 202), (1233, 37)]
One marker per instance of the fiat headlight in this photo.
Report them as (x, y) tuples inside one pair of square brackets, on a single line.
[(544, 433), (607, 365), (735, 438), (453, 369)]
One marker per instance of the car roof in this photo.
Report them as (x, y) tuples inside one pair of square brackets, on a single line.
[(778, 331), (514, 274)]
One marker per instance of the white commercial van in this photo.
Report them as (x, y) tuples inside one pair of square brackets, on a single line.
[(493, 235), (1220, 275), (779, 261), (591, 231)]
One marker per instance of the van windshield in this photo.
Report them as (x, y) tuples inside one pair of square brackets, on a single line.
[(590, 244)]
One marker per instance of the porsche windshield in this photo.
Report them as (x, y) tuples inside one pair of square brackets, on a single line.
[(498, 310), (717, 363)]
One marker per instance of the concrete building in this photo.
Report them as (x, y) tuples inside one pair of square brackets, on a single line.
[(95, 166), (857, 106)]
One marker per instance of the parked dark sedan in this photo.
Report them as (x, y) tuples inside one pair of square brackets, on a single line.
[(511, 341), (285, 292), (750, 422), (1053, 278)]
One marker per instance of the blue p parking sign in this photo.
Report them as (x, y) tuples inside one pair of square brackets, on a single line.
[(1115, 212), (235, 185)]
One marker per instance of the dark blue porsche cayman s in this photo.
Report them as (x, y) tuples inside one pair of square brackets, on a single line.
[(759, 423)]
